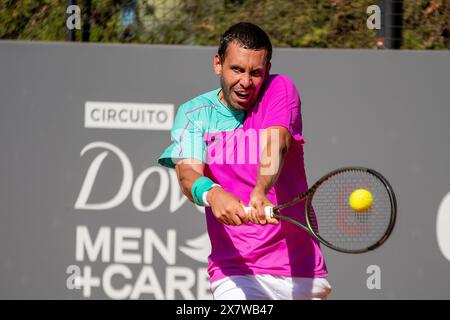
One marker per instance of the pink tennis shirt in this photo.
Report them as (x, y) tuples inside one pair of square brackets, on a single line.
[(227, 142)]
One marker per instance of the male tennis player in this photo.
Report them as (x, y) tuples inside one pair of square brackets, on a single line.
[(241, 145)]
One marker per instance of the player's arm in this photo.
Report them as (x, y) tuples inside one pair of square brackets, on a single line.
[(227, 208), (188, 171), (274, 143)]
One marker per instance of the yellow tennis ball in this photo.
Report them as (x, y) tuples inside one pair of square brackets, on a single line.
[(360, 200)]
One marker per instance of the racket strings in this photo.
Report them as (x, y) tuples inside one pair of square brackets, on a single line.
[(335, 221)]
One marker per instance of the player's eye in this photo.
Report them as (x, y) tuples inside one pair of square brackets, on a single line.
[(256, 73)]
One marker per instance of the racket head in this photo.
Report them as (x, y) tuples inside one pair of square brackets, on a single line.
[(334, 223)]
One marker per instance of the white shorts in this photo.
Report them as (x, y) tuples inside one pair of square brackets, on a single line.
[(269, 287)]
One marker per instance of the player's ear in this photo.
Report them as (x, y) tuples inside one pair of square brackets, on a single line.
[(217, 65)]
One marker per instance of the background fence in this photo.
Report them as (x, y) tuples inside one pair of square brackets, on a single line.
[(299, 23)]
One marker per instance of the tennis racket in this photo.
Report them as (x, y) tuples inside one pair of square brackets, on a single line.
[(331, 219)]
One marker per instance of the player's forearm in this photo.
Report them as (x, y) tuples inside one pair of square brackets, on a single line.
[(187, 175), (266, 181), (274, 143)]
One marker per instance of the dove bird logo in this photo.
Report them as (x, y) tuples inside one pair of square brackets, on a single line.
[(198, 248)]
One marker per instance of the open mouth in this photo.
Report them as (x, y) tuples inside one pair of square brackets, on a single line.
[(243, 95)]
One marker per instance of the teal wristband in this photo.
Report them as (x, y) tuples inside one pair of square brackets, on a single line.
[(200, 186)]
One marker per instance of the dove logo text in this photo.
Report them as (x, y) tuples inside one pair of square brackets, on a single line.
[(166, 180)]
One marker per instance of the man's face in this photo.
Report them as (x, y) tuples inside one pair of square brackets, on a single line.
[(242, 74)]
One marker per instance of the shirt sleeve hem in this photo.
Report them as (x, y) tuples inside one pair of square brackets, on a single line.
[(296, 136)]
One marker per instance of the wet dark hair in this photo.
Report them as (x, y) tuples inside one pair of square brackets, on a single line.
[(248, 35)]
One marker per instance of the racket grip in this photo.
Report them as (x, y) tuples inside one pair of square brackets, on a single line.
[(268, 211)]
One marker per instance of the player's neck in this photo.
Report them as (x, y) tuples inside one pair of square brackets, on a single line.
[(222, 99)]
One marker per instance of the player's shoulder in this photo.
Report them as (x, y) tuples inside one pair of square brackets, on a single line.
[(200, 104), (280, 84), (277, 80)]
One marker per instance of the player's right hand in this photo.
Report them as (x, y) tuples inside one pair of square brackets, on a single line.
[(227, 208), (259, 200)]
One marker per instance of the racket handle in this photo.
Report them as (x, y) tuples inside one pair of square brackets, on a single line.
[(268, 211)]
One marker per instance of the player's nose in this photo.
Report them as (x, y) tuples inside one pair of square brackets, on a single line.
[(246, 81)]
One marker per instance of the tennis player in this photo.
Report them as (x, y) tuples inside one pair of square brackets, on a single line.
[(241, 145)]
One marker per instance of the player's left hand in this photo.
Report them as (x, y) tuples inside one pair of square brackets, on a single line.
[(258, 201)]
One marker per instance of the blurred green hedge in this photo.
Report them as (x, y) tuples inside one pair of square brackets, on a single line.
[(290, 23)]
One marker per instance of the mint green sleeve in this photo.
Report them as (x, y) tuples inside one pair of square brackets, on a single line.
[(187, 140)]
